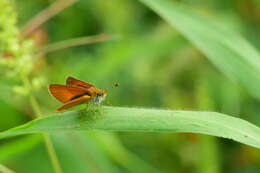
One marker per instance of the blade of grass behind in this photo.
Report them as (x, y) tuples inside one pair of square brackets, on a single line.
[(227, 50)]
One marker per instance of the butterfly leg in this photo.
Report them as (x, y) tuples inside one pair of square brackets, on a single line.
[(94, 111), (87, 107), (99, 108)]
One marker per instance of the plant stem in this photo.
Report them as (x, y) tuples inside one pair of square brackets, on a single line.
[(74, 42), (208, 145), (46, 137), (44, 16), (52, 153)]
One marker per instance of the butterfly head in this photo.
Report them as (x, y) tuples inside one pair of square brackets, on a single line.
[(101, 95)]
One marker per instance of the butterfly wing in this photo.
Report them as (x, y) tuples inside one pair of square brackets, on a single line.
[(72, 81), (65, 93), (74, 102)]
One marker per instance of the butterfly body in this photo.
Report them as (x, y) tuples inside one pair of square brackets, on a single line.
[(77, 92), (98, 95)]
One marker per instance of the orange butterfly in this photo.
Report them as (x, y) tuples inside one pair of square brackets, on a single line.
[(77, 92)]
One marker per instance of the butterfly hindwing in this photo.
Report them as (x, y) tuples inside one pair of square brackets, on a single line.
[(74, 102)]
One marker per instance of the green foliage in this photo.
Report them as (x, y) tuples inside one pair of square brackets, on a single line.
[(15, 54), (149, 120), (11, 149), (9, 32), (229, 52), (157, 67)]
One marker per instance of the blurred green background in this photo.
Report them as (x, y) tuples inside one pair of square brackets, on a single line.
[(156, 66)]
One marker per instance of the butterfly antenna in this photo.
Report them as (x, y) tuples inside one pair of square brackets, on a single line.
[(110, 89)]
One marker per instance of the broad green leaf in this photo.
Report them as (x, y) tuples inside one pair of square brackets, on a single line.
[(13, 148), (83, 156), (227, 50), (111, 145), (147, 120), (5, 169)]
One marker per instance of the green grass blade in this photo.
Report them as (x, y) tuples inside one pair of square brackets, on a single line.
[(11, 149), (111, 145), (82, 157), (91, 154), (228, 51), (5, 169), (147, 120)]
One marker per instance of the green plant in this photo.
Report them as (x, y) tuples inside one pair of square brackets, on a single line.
[(228, 51), (149, 120)]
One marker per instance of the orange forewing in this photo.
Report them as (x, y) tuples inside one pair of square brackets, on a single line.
[(76, 82), (65, 93), (74, 102)]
